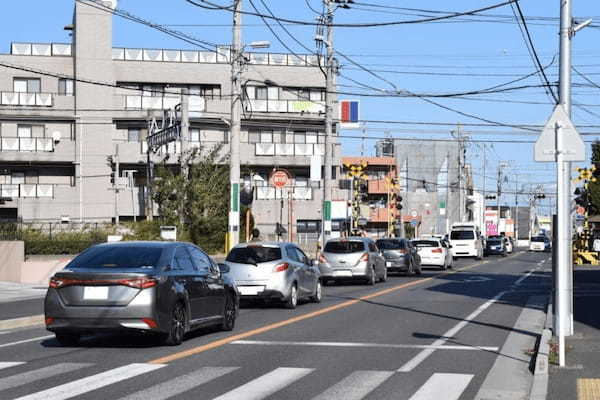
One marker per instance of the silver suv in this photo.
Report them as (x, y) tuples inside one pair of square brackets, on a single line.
[(354, 258)]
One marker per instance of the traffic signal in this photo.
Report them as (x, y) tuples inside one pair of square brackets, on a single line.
[(398, 202), (581, 198), (112, 177), (543, 196), (490, 197)]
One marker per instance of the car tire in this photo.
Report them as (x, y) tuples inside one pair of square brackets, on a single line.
[(418, 270), (372, 280), (68, 339), (318, 296), (385, 276), (229, 313), (292, 302), (176, 326)]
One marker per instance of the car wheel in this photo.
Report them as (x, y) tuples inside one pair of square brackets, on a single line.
[(176, 326), (229, 313), (384, 277), (372, 279), (318, 296), (292, 301), (68, 339), (418, 270)]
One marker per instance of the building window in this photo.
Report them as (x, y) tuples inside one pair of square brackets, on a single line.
[(195, 135), (266, 137), (262, 93), (300, 137), (65, 87), (311, 137), (253, 137), (24, 131), (27, 85), (133, 135)]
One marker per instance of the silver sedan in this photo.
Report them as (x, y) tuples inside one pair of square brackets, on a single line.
[(273, 271)]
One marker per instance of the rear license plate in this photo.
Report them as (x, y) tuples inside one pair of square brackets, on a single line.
[(388, 263), (95, 293), (250, 290), (342, 273)]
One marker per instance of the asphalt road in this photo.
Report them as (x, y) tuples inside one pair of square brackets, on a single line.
[(436, 336)]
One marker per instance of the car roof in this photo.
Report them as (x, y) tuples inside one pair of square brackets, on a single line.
[(265, 243), (143, 243), (350, 238)]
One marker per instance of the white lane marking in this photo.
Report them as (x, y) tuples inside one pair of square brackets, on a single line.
[(266, 385), (521, 279), (85, 385), (39, 374), (177, 386), (27, 340), (367, 345), (443, 386), (419, 358), (8, 364), (355, 386)]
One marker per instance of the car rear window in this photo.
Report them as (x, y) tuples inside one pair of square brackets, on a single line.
[(425, 243), (462, 235), (538, 239), (254, 254), (344, 247), (390, 244), (494, 242), (120, 256)]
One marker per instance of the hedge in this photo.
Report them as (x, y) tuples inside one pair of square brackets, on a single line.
[(51, 247)]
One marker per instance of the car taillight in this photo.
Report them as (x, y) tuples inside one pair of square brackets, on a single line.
[(49, 320), (138, 283), (364, 257), (438, 250), (281, 267), (57, 283), (322, 259), (403, 251), (150, 322)]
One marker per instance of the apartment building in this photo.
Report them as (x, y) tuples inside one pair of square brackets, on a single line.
[(64, 108)]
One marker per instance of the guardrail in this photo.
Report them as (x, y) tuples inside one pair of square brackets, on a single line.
[(26, 190), (26, 99), (26, 144)]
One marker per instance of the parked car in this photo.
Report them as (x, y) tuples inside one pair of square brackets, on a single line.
[(274, 271), (433, 251), (508, 243), (400, 255), (540, 243), (354, 258), (495, 245), (165, 288), (466, 241)]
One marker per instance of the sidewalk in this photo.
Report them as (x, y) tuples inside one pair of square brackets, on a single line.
[(10, 291), (580, 379)]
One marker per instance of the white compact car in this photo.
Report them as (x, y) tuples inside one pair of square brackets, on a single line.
[(433, 251)]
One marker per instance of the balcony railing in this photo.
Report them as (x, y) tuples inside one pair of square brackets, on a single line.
[(169, 148), (27, 190), (196, 103), (289, 149), (27, 144), (285, 106), (272, 193), (40, 49), (26, 99)]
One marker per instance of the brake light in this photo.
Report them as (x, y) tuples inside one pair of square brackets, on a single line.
[(281, 267), (49, 320), (364, 257), (56, 283), (138, 283), (438, 250), (404, 251), (322, 259), (150, 322)]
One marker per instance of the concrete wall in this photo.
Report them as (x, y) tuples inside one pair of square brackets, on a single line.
[(12, 256)]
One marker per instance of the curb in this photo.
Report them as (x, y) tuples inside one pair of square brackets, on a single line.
[(24, 322), (539, 387)]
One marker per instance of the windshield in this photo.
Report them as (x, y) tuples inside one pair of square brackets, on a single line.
[(425, 243), (538, 239), (121, 256), (344, 247), (462, 235), (390, 245), (254, 254)]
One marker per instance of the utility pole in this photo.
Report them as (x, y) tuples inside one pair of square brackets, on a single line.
[(327, 181), (185, 138), (116, 184), (516, 218), (484, 189), (236, 112)]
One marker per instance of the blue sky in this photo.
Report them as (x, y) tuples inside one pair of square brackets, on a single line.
[(450, 57)]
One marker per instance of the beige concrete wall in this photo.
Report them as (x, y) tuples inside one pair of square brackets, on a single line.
[(39, 269), (12, 255)]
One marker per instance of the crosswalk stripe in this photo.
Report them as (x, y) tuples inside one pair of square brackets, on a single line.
[(8, 364), (181, 384), (39, 374), (85, 385), (266, 385), (355, 386), (446, 386)]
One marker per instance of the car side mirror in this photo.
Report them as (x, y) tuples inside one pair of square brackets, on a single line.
[(167, 268), (224, 268)]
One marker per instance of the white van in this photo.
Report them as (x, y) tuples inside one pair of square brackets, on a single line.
[(466, 241)]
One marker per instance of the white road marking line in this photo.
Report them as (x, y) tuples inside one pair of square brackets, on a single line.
[(85, 385), (419, 358), (8, 364), (267, 384), (179, 385), (443, 386), (521, 279), (27, 340), (39, 374), (366, 345), (355, 386)]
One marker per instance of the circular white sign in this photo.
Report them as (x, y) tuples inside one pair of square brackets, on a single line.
[(414, 213)]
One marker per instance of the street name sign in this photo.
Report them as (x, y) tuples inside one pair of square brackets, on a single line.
[(559, 135)]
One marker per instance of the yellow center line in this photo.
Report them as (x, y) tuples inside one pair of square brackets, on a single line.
[(326, 310)]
